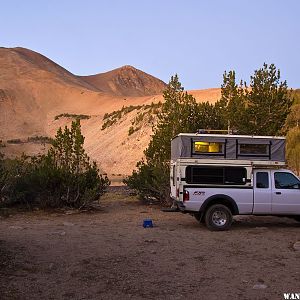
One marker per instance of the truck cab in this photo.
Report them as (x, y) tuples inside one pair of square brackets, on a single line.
[(276, 192)]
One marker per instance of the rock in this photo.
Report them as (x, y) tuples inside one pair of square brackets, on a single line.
[(68, 224), (15, 227), (261, 228), (70, 212), (150, 241), (260, 286), (296, 246), (62, 233)]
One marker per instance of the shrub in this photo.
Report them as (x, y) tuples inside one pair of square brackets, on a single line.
[(151, 182), (63, 177), (40, 139), (3, 173), (14, 141), (112, 118), (131, 130), (73, 116)]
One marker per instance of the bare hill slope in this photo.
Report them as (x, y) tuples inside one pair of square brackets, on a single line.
[(126, 81), (34, 91)]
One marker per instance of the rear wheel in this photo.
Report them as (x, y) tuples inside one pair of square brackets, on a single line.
[(218, 217)]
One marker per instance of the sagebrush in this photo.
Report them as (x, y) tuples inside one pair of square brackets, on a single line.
[(64, 177)]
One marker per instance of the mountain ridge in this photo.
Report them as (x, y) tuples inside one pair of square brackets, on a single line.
[(126, 81), (34, 91)]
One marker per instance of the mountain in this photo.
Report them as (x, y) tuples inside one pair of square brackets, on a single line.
[(37, 96), (126, 81), (37, 62)]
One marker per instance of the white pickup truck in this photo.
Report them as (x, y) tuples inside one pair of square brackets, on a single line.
[(214, 189)]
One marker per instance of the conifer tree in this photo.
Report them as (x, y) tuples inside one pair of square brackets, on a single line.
[(260, 108), (269, 101), (180, 113)]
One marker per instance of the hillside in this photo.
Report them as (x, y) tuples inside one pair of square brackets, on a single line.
[(37, 96), (126, 81)]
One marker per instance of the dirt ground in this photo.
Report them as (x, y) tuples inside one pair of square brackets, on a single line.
[(107, 254)]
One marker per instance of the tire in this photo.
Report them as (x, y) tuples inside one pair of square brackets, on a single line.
[(218, 217)]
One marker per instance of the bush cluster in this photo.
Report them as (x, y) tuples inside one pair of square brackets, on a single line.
[(148, 115), (73, 116), (40, 139), (64, 177), (112, 118)]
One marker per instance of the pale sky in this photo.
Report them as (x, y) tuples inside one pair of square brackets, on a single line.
[(198, 40)]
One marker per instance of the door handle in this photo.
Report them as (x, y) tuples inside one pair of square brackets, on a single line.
[(278, 193)]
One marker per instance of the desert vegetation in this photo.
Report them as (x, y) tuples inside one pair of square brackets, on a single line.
[(72, 116), (14, 141), (145, 115), (113, 117), (40, 139), (293, 134), (260, 108), (64, 177)]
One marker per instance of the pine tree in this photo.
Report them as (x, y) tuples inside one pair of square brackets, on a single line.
[(232, 105), (68, 151), (261, 108), (180, 113), (269, 101)]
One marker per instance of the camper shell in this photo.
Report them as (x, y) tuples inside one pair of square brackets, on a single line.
[(230, 147), (199, 158)]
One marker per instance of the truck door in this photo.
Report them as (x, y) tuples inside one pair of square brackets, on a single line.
[(285, 193), (262, 192)]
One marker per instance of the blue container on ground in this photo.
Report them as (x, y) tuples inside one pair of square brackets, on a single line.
[(147, 223)]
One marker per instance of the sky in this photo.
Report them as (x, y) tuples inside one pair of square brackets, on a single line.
[(196, 39)]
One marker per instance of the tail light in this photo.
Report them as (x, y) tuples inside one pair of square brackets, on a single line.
[(186, 195)]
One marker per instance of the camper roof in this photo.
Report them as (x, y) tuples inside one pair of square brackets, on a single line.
[(230, 136)]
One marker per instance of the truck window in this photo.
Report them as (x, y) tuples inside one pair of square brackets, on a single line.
[(285, 180), (262, 180), (216, 175)]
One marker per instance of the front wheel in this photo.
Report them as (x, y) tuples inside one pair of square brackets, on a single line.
[(218, 217)]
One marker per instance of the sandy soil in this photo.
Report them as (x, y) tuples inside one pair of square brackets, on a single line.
[(109, 255)]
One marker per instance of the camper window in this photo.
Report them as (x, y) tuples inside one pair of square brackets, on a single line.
[(216, 175), (253, 149), (201, 147)]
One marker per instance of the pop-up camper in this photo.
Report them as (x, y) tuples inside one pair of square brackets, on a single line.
[(215, 176)]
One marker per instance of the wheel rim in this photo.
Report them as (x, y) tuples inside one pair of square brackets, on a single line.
[(219, 218)]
